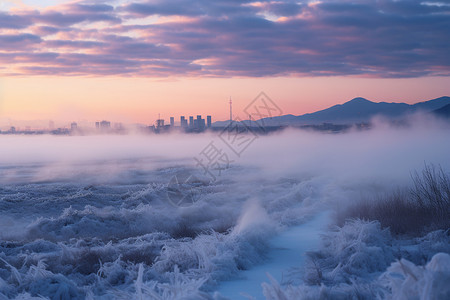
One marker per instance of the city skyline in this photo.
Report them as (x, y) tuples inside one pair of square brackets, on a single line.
[(262, 113), (190, 122)]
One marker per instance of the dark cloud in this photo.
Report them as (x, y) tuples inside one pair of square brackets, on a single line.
[(166, 9), (189, 8), (283, 9), (13, 21), (46, 30), (68, 19), (91, 8), (383, 38), (72, 44), (11, 42)]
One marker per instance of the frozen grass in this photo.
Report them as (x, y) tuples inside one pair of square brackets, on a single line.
[(404, 280), (363, 261), (423, 208), (88, 217), (105, 253)]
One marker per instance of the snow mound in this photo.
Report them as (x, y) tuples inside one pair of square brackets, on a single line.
[(406, 280)]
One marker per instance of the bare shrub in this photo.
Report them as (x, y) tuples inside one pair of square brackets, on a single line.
[(422, 208), (431, 191), (313, 272)]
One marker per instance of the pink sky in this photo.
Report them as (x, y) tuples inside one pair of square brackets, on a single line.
[(129, 60), (141, 99)]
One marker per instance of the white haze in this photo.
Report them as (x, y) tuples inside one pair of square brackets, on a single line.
[(377, 153), (92, 212)]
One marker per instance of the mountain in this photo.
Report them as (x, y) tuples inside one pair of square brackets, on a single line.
[(357, 110), (432, 104), (443, 111), (354, 111)]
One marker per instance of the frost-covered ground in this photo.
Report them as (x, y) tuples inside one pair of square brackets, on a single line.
[(90, 217), (284, 256), (363, 261)]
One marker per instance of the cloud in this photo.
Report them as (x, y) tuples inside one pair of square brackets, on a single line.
[(235, 38), (190, 8), (16, 42), (11, 21)]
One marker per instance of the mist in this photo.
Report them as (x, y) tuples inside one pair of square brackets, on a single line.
[(383, 154), (102, 205)]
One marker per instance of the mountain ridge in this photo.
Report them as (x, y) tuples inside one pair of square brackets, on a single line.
[(356, 110)]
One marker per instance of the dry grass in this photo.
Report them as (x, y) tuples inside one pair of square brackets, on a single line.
[(422, 208)]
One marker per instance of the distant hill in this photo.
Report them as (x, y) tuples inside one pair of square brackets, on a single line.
[(443, 111), (357, 110), (432, 104)]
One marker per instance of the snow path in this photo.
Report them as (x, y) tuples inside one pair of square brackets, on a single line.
[(286, 252)]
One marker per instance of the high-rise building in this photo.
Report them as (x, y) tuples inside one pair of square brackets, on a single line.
[(73, 126), (191, 122), (208, 121), (172, 121), (159, 123), (199, 122), (183, 122), (105, 124), (231, 112)]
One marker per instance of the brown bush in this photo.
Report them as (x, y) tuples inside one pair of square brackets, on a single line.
[(422, 208)]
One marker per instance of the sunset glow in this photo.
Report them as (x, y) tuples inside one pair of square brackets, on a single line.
[(130, 60), (141, 100)]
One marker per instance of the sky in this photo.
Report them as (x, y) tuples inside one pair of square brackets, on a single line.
[(129, 60)]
